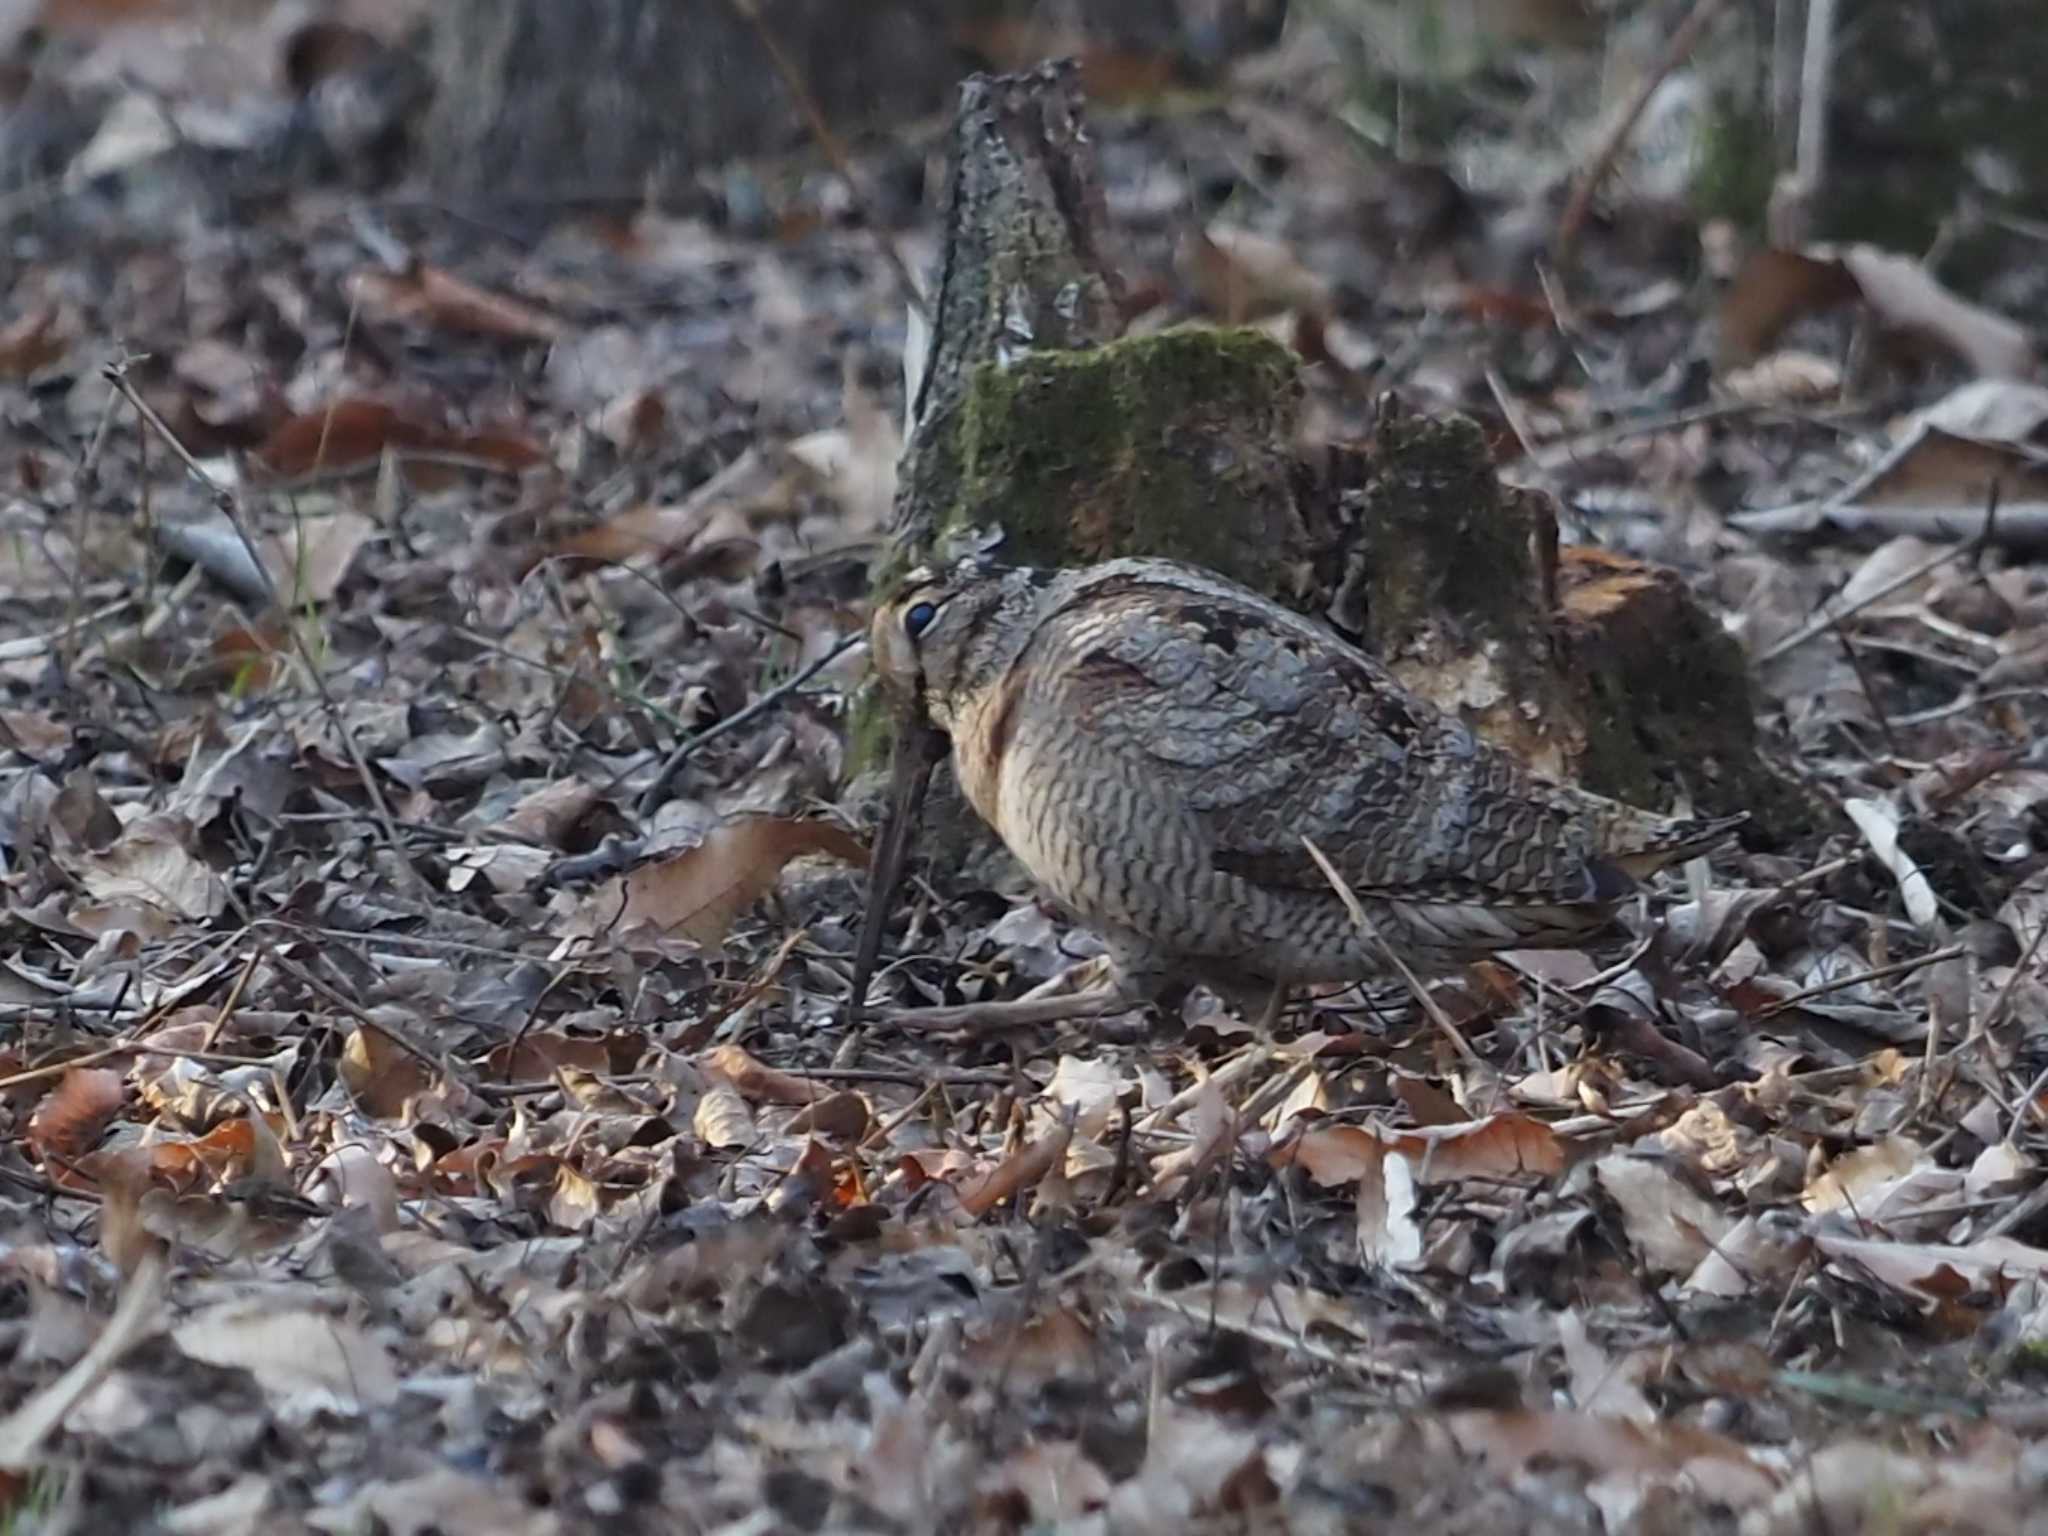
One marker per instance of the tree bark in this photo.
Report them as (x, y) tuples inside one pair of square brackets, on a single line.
[(542, 101), (614, 99), (1034, 417)]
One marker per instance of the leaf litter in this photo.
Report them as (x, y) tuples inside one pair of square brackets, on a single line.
[(409, 1130)]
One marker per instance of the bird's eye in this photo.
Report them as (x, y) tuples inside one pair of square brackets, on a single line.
[(917, 618)]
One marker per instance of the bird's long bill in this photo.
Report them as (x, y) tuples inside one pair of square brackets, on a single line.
[(919, 746)]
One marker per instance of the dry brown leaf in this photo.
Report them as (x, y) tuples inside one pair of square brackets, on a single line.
[(1501, 1145), (855, 464), (1048, 1482), (353, 432), (381, 1074), (1672, 1226), (1938, 478), (37, 736), (844, 1114), (643, 531), (1020, 1171), (69, 1122), (1241, 275), (309, 562), (636, 422), (429, 296), (723, 1119), (152, 862), (1641, 1453), (1932, 1273), (1777, 287), (757, 1082), (1599, 1384), (1055, 1344), (30, 343), (699, 893), (1856, 1177), (575, 1202), (1785, 378), (539, 1053)]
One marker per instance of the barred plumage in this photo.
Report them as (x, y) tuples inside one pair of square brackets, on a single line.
[(1154, 742)]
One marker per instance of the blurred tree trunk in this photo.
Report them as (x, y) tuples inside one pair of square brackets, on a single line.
[(610, 99), (540, 100)]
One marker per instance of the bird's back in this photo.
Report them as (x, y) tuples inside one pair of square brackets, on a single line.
[(1164, 741)]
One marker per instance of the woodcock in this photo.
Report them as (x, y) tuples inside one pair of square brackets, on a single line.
[(1155, 743)]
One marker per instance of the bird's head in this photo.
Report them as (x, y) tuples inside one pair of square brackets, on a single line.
[(950, 631)]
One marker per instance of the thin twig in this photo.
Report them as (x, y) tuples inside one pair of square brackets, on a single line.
[(1251, 1059), (1014, 1013), (1512, 412), (1816, 71), (116, 375), (2000, 1003), (1876, 973), (1967, 701), (1365, 925), (833, 150), (1863, 681), (128, 1048), (655, 793), (907, 1078), (398, 1037), (1359, 1362), (1676, 51), (1563, 450), (1827, 621)]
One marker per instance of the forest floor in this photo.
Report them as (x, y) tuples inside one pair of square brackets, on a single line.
[(408, 1130)]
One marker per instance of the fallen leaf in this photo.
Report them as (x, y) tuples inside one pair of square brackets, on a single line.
[(307, 1361), (427, 295), (1020, 1171), (722, 1119), (1501, 1145), (1388, 1233), (70, 1120), (351, 432), (699, 893), (30, 343), (1672, 1226), (1776, 287), (1241, 275), (756, 1081)]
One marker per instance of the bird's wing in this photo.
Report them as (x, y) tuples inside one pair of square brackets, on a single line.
[(1266, 730)]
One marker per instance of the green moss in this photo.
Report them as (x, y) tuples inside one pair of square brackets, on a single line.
[(1172, 444), (1438, 539), (1733, 163), (2029, 1359)]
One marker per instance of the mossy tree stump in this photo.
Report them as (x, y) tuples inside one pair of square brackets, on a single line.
[(1035, 417), (1595, 668), (1035, 421)]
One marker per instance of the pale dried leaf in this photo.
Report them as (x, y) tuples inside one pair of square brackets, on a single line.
[(308, 1362), (699, 893)]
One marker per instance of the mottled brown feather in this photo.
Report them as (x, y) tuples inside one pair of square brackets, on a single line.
[(1156, 742)]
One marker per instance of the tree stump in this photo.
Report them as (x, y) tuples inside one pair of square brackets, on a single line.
[(1034, 421), (1032, 416), (1595, 668)]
